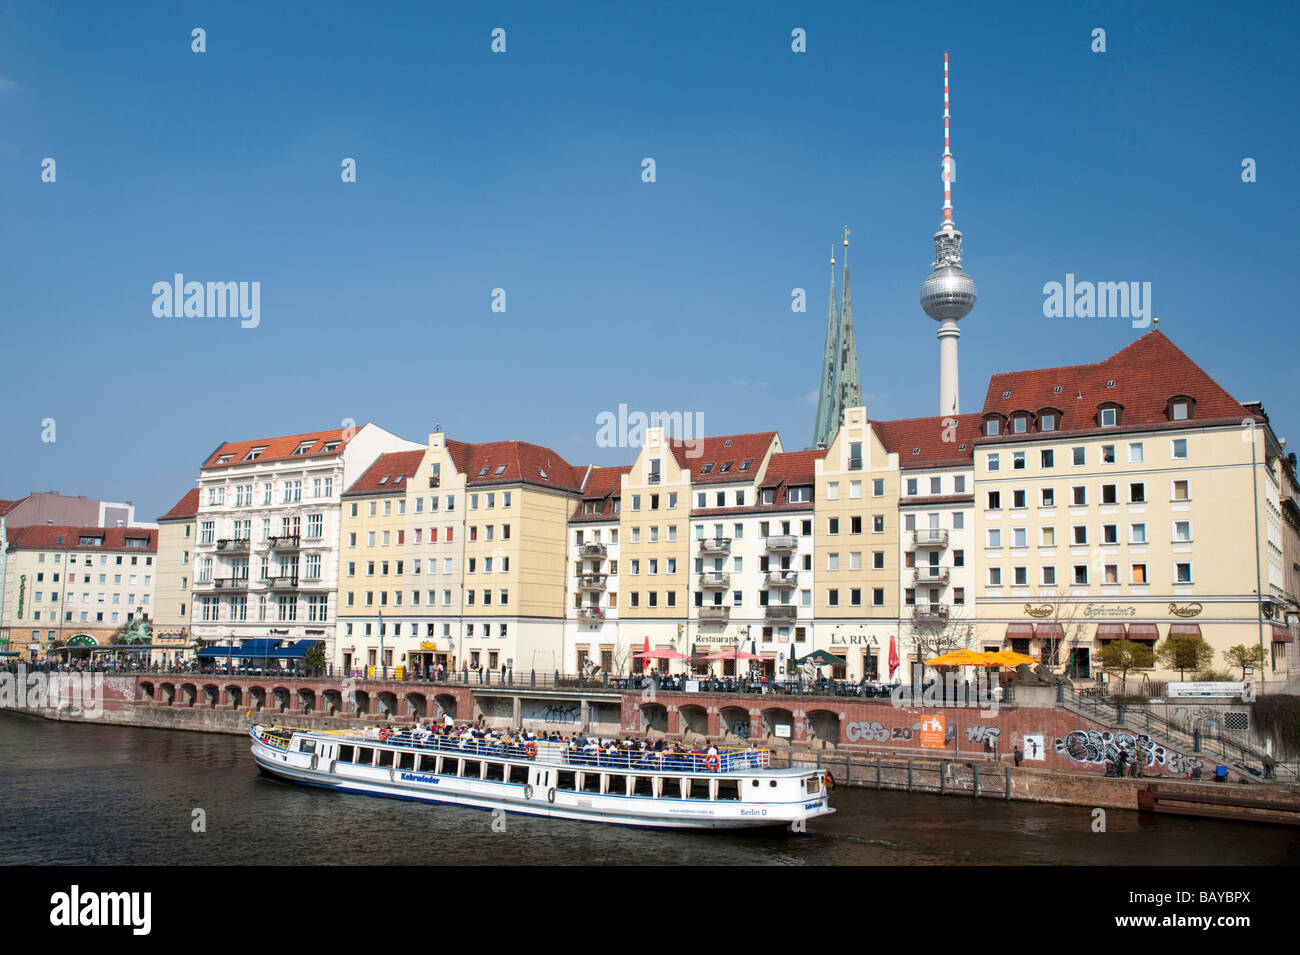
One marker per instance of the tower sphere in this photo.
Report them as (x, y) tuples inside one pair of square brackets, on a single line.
[(948, 292)]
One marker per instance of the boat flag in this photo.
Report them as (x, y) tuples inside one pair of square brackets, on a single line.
[(893, 656)]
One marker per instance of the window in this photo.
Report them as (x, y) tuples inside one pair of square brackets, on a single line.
[(833, 525), (995, 537), (878, 523), (1047, 497), (1017, 460), (1137, 493), (1182, 531), (1183, 573), (959, 558), (1018, 537), (1047, 422), (1110, 533), (855, 491), (1135, 452), (995, 576), (991, 426), (1046, 457), (1049, 576), (1108, 417), (878, 596), (878, 487), (1137, 534), (995, 500), (994, 462), (833, 491), (1178, 450), (1018, 498), (1019, 424), (911, 486), (855, 524), (1081, 573), (1079, 534), (1079, 456), (833, 598), (1178, 410), (958, 521), (1110, 574), (832, 561), (1108, 494), (1181, 491), (1108, 454), (1020, 576)]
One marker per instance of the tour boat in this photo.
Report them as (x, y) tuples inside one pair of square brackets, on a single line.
[(729, 789)]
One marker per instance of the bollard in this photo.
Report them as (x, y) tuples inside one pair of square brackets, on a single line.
[(877, 770), (909, 774), (976, 768), (943, 776), (1060, 693), (1119, 714), (1007, 769), (532, 677), (1196, 740)]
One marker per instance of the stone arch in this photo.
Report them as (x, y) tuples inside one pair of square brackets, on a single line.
[(734, 722), (257, 698), (306, 700), (234, 695), (211, 695), (654, 718), (774, 716), (824, 725), (146, 690), (444, 704), (189, 694), (416, 705), (693, 720), (386, 702), (333, 702), (166, 693), (281, 699), (360, 704)]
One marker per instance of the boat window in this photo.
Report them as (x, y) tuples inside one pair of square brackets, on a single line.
[(495, 772), (307, 745), (591, 782), (566, 779), (810, 784), (428, 763), (728, 789), (364, 755), (697, 789), (643, 786), (385, 757), (517, 774), (772, 783), (406, 760), (345, 754), (754, 782), (471, 769)]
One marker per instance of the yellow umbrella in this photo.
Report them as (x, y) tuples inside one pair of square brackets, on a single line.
[(1010, 658), (960, 658)]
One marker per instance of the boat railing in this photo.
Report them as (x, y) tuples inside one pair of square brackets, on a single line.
[(549, 751)]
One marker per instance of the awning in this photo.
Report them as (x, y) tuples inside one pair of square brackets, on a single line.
[(1110, 631), (1281, 634), (1051, 631), (1184, 630), (1020, 630), (1143, 631)]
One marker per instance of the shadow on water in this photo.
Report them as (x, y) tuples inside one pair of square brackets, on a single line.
[(105, 795)]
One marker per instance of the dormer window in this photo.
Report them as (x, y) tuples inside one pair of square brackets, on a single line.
[(726, 466), (1019, 424), (542, 473), (397, 478), (254, 454), (1111, 383), (302, 448), (992, 426), (1057, 389), (727, 443), (916, 450), (330, 446), (707, 468), (1108, 417), (1179, 408), (224, 458), (484, 470), (1006, 394), (1047, 422)]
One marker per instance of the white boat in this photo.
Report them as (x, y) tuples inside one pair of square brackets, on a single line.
[(729, 789)]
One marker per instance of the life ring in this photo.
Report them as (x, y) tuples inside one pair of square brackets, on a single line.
[(383, 735), (829, 780), (530, 750), (528, 791), (711, 762), (550, 796), (266, 739)]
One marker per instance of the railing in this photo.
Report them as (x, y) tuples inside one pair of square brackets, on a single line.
[(230, 583), (930, 575), (783, 542), (930, 612), (715, 580), (780, 611), (591, 582), (930, 537), (781, 579), (855, 464), (715, 545), (284, 543), (233, 544), (591, 550), (282, 583), (654, 477), (591, 613), (715, 612)]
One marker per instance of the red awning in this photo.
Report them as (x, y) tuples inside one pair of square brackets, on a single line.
[(1281, 634), (1110, 631), (1184, 630), (1143, 631), (1051, 631), (1020, 630)]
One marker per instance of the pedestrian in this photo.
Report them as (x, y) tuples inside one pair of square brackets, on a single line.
[(1018, 755)]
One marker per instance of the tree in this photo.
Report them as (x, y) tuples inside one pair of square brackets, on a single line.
[(1062, 618), (1245, 656), (314, 659), (1185, 653), (1120, 656)]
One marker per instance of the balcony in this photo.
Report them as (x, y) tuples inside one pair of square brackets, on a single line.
[(591, 550), (654, 477), (930, 612), (289, 542), (593, 614), (591, 582), (715, 612), (715, 545), (780, 612), (930, 575), (233, 545), (855, 464), (930, 537), (781, 579), (230, 583), (311, 583), (715, 581), (282, 583), (435, 482), (783, 544)]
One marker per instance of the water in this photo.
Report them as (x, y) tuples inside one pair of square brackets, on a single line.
[(104, 795)]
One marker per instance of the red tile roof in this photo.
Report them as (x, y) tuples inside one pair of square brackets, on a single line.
[(1146, 374), (48, 536), (714, 453), (793, 468), (187, 506), (602, 486), (379, 477), (523, 463), (279, 449), (940, 444), (7, 506)]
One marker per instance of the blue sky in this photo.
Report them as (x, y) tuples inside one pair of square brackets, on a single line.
[(522, 171)]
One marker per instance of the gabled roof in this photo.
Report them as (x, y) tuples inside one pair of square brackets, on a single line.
[(7, 506), (793, 468), (706, 458), (936, 442), (1146, 374), (388, 475), (602, 486), (67, 537), (515, 462), (186, 507), (281, 448)]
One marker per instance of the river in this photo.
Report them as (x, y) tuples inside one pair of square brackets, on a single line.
[(106, 795)]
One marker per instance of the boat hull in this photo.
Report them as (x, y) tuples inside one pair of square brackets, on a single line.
[(553, 803)]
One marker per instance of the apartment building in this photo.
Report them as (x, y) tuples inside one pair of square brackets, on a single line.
[(75, 586), (1129, 498), (266, 560), (592, 616), (173, 583)]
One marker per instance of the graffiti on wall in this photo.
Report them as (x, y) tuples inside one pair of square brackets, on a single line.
[(1102, 748), (876, 732)]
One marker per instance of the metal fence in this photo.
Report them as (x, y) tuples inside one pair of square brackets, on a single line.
[(944, 776)]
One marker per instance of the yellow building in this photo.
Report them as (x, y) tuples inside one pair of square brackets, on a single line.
[(1123, 499), (173, 582)]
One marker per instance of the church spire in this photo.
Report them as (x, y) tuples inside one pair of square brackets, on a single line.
[(850, 386), (840, 385), (826, 398)]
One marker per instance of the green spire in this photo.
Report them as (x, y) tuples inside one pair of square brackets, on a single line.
[(850, 386), (827, 418), (841, 387)]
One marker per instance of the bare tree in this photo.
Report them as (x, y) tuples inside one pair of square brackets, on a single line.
[(1062, 620)]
